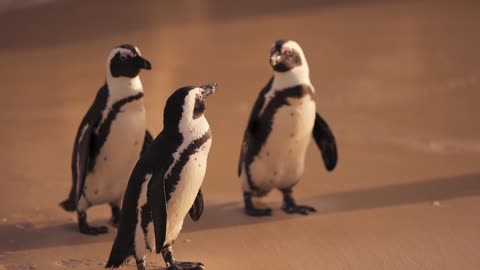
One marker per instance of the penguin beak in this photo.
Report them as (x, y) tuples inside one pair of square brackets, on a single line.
[(142, 62), (208, 89), (276, 58)]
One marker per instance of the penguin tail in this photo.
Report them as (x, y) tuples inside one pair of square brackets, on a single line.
[(119, 254), (69, 204)]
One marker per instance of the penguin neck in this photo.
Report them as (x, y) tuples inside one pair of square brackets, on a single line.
[(122, 87), (296, 76), (192, 129)]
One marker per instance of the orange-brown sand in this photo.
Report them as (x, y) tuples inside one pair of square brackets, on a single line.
[(398, 82)]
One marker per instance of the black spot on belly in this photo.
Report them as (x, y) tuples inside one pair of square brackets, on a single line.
[(135, 143), (292, 114), (291, 135), (195, 159), (268, 154), (199, 165), (105, 158)]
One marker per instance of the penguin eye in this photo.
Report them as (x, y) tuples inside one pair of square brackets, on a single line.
[(123, 57), (288, 52)]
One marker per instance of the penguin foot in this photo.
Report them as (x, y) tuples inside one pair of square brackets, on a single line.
[(290, 207), (186, 266), (298, 209), (253, 211), (87, 229)]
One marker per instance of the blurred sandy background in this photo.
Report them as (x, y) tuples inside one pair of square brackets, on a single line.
[(398, 82)]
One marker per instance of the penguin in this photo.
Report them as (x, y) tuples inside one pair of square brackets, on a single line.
[(165, 183), (279, 129), (110, 139)]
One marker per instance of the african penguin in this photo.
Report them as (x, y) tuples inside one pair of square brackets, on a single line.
[(165, 183), (279, 130), (110, 139)]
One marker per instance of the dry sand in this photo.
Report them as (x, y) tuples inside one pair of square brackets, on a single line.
[(398, 83)]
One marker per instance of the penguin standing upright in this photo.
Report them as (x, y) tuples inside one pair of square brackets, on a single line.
[(279, 130), (110, 139), (165, 183)]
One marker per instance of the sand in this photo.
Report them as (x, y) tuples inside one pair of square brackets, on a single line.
[(396, 80)]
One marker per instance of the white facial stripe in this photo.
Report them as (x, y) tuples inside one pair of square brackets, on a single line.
[(138, 51)]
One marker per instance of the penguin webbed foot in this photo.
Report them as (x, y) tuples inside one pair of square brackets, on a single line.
[(253, 211), (290, 207), (298, 209), (186, 266), (84, 228)]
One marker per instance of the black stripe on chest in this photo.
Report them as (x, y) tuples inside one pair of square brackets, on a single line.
[(104, 129), (171, 180), (262, 125)]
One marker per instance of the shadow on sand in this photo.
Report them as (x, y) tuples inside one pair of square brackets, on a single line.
[(230, 214)]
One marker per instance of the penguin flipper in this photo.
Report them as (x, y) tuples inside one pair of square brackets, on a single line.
[(197, 207), (147, 141), (84, 148), (326, 142), (158, 204), (250, 131)]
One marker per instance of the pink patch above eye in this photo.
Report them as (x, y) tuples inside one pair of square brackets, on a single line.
[(126, 54), (287, 50)]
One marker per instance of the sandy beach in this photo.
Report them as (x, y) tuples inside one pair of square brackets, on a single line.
[(397, 81)]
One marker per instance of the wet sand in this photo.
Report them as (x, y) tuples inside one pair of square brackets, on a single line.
[(397, 82)]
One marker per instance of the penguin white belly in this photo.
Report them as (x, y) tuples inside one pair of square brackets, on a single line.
[(114, 164), (280, 162), (181, 200)]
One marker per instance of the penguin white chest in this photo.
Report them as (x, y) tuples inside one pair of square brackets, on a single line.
[(182, 198), (280, 162), (117, 157)]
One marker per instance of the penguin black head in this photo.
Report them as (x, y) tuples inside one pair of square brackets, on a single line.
[(126, 61), (187, 103), (286, 55)]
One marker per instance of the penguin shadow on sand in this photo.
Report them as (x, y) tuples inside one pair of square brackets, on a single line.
[(231, 214), (26, 236)]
